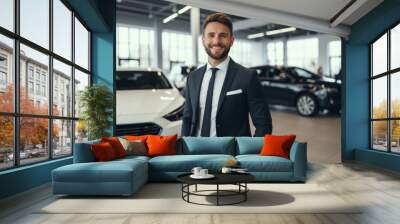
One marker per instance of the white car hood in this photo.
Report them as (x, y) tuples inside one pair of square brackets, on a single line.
[(137, 106)]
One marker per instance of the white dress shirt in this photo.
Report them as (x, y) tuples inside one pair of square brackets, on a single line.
[(219, 81)]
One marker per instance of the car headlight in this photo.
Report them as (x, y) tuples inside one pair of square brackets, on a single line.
[(175, 115)]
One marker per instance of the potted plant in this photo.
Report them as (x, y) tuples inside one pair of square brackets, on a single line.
[(96, 102)]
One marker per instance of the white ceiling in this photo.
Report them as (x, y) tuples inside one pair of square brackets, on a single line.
[(320, 9), (312, 15)]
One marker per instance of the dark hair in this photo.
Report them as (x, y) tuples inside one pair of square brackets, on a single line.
[(219, 17)]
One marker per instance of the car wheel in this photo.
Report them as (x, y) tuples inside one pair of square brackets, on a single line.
[(307, 105)]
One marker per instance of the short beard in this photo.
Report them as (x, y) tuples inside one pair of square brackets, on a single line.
[(222, 56)]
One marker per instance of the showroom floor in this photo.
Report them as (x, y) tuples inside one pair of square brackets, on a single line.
[(377, 190), (322, 133)]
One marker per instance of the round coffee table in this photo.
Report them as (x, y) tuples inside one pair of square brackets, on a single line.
[(238, 179)]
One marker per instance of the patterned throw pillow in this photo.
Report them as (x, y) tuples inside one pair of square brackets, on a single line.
[(134, 147)]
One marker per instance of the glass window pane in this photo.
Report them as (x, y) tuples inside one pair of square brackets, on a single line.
[(379, 135), (379, 56), (303, 53), (33, 139), (62, 138), (7, 14), (62, 29), (81, 81), (81, 131), (35, 21), (395, 135), (395, 95), (6, 74), (62, 89), (6, 142), (34, 79), (379, 98), (335, 48), (81, 45), (133, 43), (395, 47)]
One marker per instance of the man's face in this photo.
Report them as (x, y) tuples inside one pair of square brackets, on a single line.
[(217, 40)]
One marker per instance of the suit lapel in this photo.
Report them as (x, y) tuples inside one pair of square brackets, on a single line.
[(230, 75), (197, 88)]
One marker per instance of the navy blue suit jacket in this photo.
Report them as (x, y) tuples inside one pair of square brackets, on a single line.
[(233, 110)]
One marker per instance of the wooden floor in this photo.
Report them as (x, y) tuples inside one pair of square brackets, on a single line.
[(377, 189)]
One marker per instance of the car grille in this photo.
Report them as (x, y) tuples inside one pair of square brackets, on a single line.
[(138, 129)]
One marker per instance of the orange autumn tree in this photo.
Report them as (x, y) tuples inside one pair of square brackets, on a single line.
[(33, 130), (380, 111)]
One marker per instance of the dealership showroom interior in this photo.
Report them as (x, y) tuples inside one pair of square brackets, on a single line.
[(189, 111)]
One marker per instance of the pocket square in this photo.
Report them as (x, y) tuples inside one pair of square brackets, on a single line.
[(233, 92)]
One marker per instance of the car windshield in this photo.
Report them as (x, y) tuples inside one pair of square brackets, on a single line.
[(136, 80), (303, 73)]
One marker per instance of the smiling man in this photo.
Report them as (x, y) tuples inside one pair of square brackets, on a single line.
[(221, 95)]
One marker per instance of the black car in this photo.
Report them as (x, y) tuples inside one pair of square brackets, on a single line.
[(293, 86)]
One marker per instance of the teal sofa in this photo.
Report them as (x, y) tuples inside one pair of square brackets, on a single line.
[(125, 176)]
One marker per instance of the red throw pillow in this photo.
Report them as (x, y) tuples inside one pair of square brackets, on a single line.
[(161, 145), (103, 151), (277, 145), (116, 145)]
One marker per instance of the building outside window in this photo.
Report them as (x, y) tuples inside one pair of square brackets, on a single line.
[(30, 87), (384, 92), (34, 79)]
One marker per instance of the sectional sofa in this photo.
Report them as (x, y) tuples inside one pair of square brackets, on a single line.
[(125, 176)]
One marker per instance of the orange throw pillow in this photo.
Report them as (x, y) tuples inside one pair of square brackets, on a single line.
[(161, 145), (135, 138), (277, 145), (103, 152), (116, 145)]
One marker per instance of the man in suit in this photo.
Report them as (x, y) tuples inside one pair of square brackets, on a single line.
[(221, 94)]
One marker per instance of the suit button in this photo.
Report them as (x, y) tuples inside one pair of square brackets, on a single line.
[(218, 126)]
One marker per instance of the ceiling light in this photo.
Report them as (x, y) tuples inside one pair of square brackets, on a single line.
[(173, 16), (284, 30), (169, 18), (256, 35), (184, 9)]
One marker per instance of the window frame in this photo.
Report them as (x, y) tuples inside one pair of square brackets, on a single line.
[(16, 115), (371, 77)]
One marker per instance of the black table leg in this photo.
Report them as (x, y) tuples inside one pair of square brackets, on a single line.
[(245, 193), (217, 194)]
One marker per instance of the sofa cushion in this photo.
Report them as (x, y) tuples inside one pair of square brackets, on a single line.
[(249, 145), (185, 163), (208, 145), (112, 171), (83, 152), (257, 163)]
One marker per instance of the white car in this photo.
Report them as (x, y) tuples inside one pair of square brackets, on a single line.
[(147, 103)]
